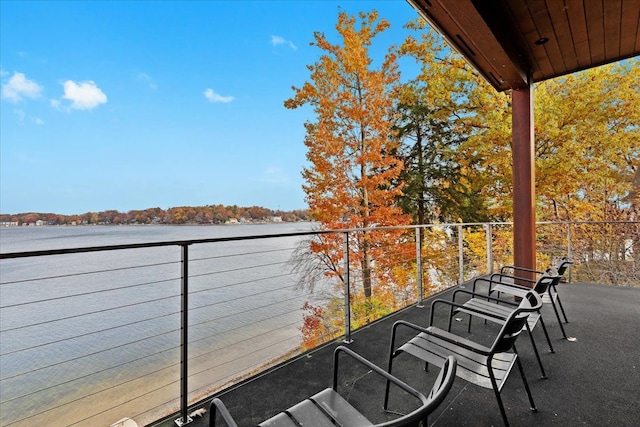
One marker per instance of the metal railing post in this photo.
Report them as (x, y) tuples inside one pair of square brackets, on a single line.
[(347, 292), (569, 248), (460, 255), (489, 233), (184, 329), (419, 266)]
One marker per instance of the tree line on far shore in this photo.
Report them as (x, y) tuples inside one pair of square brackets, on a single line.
[(210, 214)]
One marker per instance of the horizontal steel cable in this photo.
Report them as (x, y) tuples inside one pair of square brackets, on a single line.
[(133, 323), (155, 408), (247, 296), (231, 270), (88, 314), (88, 333), (91, 374), (130, 400), (250, 368), (245, 356), (100, 391), (88, 272), (242, 254), (231, 285), (137, 285), (91, 293), (91, 354), (238, 328), (227, 316)]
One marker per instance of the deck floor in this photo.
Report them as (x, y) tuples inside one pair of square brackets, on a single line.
[(592, 381)]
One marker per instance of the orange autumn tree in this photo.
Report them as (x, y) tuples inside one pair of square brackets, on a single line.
[(351, 181)]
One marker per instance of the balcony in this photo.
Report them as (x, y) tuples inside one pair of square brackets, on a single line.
[(592, 381), (91, 335)]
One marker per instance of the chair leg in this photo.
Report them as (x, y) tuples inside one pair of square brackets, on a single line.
[(560, 304), (392, 354), (524, 380), (535, 350), (386, 389), (553, 303), (546, 334), (494, 384)]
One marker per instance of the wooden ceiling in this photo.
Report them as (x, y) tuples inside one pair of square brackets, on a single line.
[(506, 40)]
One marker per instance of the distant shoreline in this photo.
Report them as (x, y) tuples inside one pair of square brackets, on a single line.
[(189, 224), (184, 215)]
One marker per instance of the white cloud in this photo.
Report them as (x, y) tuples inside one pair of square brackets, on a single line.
[(23, 118), (21, 115), (214, 97), (19, 87), (83, 96), (277, 40), (146, 78)]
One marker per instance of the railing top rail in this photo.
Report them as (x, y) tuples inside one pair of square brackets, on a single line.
[(26, 254), (154, 244)]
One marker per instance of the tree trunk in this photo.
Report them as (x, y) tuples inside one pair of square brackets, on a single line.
[(366, 268)]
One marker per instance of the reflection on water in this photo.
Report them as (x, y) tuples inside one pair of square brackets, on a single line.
[(90, 338)]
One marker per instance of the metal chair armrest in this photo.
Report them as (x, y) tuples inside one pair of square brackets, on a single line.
[(342, 349), (515, 268), (496, 282), (216, 405), (486, 297), (509, 276), (431, 330), (455, 304)]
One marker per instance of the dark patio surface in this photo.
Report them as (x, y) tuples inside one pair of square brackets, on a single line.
[(593, 381)]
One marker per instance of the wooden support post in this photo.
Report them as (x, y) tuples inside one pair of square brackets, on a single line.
[(523, 146)]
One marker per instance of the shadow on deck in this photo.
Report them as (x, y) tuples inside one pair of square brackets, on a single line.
[(593, 381)]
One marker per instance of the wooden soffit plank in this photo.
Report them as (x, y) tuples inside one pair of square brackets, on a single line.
[(467, 32)]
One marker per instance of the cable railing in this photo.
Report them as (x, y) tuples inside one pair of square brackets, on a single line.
[(92, 335)]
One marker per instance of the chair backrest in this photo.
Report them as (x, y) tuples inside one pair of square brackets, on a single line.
[(563, 264), (515, 322), (418, 417), (438, 392), (443, 383), (550, 277)]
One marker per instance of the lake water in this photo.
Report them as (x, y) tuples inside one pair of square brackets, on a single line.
[(90, 338)]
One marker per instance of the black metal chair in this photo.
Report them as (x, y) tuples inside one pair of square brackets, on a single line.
[(552, 296), (510, 285), (487, 367), (329, 409), (497, 310)]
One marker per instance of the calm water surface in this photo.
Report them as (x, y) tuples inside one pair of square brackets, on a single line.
[(90, 338)]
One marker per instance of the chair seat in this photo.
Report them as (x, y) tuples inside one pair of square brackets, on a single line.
[(329, 409), (324, 409), (511, 290), (472, 366), (492, 309), (546, 299)]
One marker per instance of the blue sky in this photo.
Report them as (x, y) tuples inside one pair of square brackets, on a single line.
[(129, 105)]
